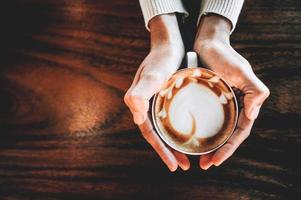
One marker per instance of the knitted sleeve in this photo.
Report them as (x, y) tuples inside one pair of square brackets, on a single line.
[(152, 8), (229, 9)]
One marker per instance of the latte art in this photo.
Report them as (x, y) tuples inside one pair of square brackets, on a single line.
[(188, 116), (195, 111)]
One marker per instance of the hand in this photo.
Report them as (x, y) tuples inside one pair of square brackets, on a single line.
[(213, 46), (166, 54)]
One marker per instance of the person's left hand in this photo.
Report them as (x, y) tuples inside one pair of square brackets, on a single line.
[(213, 46)]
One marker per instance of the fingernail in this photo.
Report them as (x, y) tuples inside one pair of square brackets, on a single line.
[(138, 118), (254, 113), (173, 168), (185, 168), (207, 166)]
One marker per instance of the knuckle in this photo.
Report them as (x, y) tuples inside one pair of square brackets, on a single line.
[(147, 135), (159, 147), (264, 92), (244, 132), (261, 91), (231, 147), (126, 98), (267, 92), (129, 97)]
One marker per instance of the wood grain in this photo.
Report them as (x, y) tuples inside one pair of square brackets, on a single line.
[(65, 132)]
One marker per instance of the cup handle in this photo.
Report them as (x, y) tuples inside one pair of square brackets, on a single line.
[(191, 59)]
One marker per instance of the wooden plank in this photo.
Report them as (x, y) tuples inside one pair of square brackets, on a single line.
[(65, 132)]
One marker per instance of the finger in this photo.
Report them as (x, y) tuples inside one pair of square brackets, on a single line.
[(240, 134), (129, 100), (138, 118), (139, 108), (146, 87), (255, 94), (153, 139), (149, 79), (206, 161), (182, 159), (137, 98)]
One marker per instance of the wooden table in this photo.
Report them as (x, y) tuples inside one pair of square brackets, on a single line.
[(65, 132)]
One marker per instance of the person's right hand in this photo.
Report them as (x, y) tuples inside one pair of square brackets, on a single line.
[(166, 54)]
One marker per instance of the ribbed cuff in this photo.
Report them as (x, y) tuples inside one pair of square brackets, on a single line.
[(152, 8), (227, 8)]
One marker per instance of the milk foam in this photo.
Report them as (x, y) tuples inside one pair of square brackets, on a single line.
[(199, 102)]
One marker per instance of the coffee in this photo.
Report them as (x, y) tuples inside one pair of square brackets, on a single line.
[(195, 112)]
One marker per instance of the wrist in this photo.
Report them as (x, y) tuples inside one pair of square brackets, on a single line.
[(164, 32), (214, 27)]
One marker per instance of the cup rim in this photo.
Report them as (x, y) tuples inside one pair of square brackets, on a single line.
[(174, 146)]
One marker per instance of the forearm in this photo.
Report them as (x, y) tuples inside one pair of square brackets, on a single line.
[(164, 31), (213, 27)]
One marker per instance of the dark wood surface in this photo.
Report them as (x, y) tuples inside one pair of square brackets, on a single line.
[(65, 132)]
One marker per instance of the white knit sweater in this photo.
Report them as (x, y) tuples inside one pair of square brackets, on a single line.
[(227, 8)]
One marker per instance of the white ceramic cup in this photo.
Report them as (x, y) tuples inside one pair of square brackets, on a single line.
[(192, 62)]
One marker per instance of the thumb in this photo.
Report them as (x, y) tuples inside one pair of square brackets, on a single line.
[(254, 98), (251, 106), (137, 98)]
